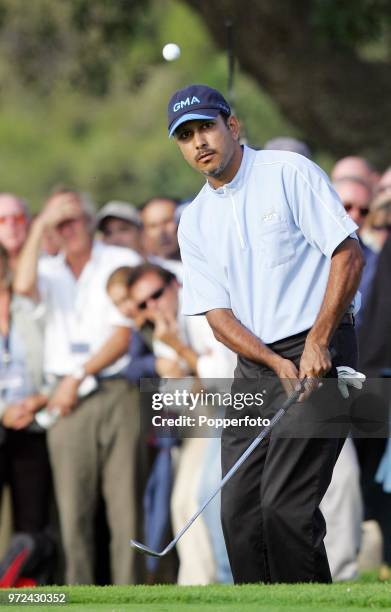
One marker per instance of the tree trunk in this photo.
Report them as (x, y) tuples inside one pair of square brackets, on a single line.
[(339, 101)]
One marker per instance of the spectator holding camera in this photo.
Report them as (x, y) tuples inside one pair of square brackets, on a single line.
[(94, 439)]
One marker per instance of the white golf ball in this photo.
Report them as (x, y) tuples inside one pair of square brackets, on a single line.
[(171, 52)]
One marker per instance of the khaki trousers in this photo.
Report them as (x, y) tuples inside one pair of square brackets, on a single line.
[(196, 562), (342, 509), (96, 446)]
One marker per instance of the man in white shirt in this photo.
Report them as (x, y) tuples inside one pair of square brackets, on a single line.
[(271, 258), (93, 443)]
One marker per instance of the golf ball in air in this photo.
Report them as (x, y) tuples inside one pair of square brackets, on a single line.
[(171, 52)]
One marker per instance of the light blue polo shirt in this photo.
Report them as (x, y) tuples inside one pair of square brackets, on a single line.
[(262, 244)]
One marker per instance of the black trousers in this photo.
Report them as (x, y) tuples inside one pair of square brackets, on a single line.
[(272, 524), (24, 464)]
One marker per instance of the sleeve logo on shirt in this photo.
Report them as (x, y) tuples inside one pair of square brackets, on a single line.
[(186, 102)]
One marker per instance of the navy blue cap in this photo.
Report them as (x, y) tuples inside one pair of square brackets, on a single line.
[(195, 102)]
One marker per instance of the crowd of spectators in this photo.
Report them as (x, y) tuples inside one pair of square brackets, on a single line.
[(89, 306)]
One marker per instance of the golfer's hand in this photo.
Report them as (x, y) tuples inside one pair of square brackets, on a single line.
[(288, 374), (65, 395), (315, 362)]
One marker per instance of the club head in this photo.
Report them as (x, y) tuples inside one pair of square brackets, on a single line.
[(145, 550)]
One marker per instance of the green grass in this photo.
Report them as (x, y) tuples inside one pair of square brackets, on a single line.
[(353, 596)]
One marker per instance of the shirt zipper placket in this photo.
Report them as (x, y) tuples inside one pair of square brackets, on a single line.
[(238, 229)]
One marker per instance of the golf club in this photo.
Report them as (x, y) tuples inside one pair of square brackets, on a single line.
[(292, 399)]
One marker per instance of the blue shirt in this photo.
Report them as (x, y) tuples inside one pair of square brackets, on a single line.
[(366, 279), (15, 382), (262, 244), (142, 360)]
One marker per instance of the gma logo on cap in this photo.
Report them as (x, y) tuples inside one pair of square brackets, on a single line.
[(186, 102)]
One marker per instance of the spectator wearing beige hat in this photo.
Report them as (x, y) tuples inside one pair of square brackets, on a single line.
[(120, 225)]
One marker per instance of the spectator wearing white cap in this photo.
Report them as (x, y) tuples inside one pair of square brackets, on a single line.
[(120, 225)]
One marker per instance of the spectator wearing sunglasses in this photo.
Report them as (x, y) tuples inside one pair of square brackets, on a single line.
[(152, 299), (356, 195), (14, 224)]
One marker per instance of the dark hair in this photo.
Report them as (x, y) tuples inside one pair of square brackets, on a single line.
[(149, 268), (225, 117)]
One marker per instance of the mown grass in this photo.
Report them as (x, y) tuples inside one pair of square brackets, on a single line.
[(365, 594)]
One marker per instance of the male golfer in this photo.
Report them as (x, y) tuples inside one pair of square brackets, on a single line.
[(271, 257)]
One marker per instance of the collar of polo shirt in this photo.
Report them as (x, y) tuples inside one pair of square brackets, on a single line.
[(239, 177)]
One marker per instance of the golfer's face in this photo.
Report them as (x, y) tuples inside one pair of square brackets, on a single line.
[(208, 145)]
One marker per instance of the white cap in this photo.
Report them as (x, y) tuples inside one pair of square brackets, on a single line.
[(119, 210)]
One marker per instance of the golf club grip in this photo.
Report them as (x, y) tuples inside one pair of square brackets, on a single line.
[(290, 400)]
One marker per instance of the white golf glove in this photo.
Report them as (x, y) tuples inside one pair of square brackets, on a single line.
[(347, 377)]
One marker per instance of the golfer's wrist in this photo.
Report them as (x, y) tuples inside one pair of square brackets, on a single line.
[(274, 362), (319, 341)]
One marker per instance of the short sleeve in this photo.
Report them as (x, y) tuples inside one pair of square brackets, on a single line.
[(203, 287), (317, 209)]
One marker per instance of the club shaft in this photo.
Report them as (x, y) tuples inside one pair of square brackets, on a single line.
[(288, 402), (233, 469)]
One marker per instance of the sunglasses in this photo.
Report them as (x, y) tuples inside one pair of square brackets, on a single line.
[(155, 296), (363, 210), (20, 219)]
